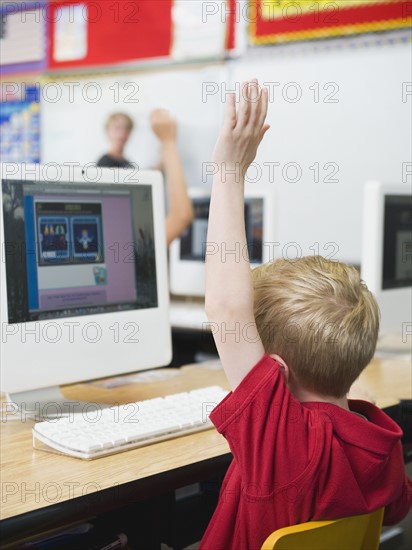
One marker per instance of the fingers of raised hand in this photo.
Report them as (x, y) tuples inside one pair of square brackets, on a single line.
[(230, 119), (253, 108), (162, 116), (255, 99), (263, 131), (248, 124), (244, 106)]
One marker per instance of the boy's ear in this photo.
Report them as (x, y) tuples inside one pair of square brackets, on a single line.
[(284, 369)]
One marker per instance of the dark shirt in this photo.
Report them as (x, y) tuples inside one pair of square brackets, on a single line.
[(107, 161)]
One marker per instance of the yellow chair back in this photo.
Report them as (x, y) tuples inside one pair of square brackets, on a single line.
[(352, 533)]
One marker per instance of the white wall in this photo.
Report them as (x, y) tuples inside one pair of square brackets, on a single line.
[(73, 131), (367, 133)]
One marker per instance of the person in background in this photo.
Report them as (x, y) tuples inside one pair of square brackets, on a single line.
[(119, 126)]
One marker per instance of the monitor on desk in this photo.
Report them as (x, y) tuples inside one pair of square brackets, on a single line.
[(187, 254), (387, 256), (84, 291)]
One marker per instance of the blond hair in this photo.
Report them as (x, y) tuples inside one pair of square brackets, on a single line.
[(111, 118), (320, 317)]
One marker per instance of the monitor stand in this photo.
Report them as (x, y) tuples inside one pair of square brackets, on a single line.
[(50, 403)]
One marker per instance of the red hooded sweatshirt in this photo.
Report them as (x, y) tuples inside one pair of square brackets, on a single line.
[(295, 462)]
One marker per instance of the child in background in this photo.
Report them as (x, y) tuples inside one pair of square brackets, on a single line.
[(118, 129), (303, 332)]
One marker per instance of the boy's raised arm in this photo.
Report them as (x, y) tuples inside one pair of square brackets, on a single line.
[(229, 290)]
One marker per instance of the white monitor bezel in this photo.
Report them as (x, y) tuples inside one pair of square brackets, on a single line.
[(394, 303), (29, 365), (187, 278)]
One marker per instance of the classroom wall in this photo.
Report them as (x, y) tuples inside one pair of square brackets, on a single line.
[(358, 124), (366, 133), (73, 126)]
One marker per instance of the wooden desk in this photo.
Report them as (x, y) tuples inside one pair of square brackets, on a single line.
[(42, 490), (388, 379)]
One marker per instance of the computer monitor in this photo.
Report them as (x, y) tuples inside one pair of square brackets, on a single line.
[(187, 253), (84, 289), (386, 264)]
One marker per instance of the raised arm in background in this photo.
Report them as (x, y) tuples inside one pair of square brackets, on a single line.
[(180, 213), (229, 290)]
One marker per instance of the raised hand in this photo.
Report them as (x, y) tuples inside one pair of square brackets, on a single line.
[(163, 125), (180, 211), (242, 131)]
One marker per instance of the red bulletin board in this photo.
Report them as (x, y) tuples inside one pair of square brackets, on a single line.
[(231, 30), (116, 31), (273, 21)]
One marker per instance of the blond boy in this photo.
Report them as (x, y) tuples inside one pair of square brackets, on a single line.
[(301, 450)]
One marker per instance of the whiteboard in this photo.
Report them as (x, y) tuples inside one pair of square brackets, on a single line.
[(367, 133), (74, 112)]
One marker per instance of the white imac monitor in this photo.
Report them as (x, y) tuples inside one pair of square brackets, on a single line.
[(84, 289), (386, 264), (187, 253)]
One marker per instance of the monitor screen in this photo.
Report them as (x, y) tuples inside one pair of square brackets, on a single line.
[(192, 242), (397, 242), (77, 249)]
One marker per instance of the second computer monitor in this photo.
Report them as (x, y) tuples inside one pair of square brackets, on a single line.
[(187, 254), (387, 254)]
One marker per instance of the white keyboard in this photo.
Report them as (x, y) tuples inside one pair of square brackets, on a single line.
[(99, 432)]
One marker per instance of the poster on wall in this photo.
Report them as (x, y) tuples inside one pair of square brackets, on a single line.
[(70, 39), (20, 128), (203, 30), (22, 37), (196, 34), (92, 34), (274, 21)]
